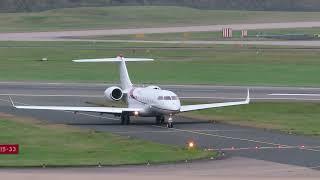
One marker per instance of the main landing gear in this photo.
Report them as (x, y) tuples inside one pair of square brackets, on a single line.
[(159, 120), (125, 119)]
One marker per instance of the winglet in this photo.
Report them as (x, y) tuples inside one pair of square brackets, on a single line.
[(11, 101), (248, 97)]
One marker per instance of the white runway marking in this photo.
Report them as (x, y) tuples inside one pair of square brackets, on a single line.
[(137, 132), (278, 94), (186, 97), (269, 43), (288, 98), (315, 167), (5, 100), (264, 148), (252, 98), (194, 90), (103, 117), (206, 97), (51, 95), (170, 131), (236, 138)]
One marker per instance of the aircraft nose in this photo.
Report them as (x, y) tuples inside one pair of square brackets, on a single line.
[(175, 106)]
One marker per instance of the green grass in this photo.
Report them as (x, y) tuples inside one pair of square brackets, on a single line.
[(206, 36), (138, 16), (300, 118), (58, 145), (175, 64)]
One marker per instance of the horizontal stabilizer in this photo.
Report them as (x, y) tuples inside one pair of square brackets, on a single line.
[(118, 59)]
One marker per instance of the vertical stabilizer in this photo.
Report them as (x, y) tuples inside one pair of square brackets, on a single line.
[(124, 76)]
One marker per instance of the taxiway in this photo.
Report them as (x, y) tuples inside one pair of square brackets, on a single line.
[(232, 140)]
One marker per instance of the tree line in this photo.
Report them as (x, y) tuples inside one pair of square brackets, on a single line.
[(267, 5)]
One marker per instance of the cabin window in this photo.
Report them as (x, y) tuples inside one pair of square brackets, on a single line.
[(160, 98)]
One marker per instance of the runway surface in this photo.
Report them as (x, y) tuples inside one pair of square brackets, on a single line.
[(233, 140), (311, 43), (75, 35), (231, 168), (189, 92), (47, 36)]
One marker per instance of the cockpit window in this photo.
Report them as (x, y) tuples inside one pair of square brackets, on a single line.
[(160, 98), (167, 98), (174, 97)]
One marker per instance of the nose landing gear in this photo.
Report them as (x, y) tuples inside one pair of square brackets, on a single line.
[(160, 121), (170, 122)]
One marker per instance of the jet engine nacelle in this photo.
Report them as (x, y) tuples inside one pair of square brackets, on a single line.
[(113, 93)]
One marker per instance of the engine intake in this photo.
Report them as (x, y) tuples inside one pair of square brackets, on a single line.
[(113, 93)]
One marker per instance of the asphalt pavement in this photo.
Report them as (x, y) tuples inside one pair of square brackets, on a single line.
[(208, 93), (38, 36), (232, 140)]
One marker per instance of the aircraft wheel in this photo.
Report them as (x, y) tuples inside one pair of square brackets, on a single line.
[(122, 120), (170, 125), (125, 119), (160, 120), (170, 122)]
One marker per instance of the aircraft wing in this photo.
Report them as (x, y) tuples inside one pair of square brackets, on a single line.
[(108, 110), (214, 105)]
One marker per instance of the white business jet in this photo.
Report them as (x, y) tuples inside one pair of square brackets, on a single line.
[(148, 101)]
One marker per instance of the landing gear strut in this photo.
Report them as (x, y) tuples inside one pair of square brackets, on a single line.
[(159, 120), (125, 119), (170, 122)]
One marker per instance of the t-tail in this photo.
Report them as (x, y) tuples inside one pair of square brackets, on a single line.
[(124, 76)]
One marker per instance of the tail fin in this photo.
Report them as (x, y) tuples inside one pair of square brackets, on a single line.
[(124, 76)]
